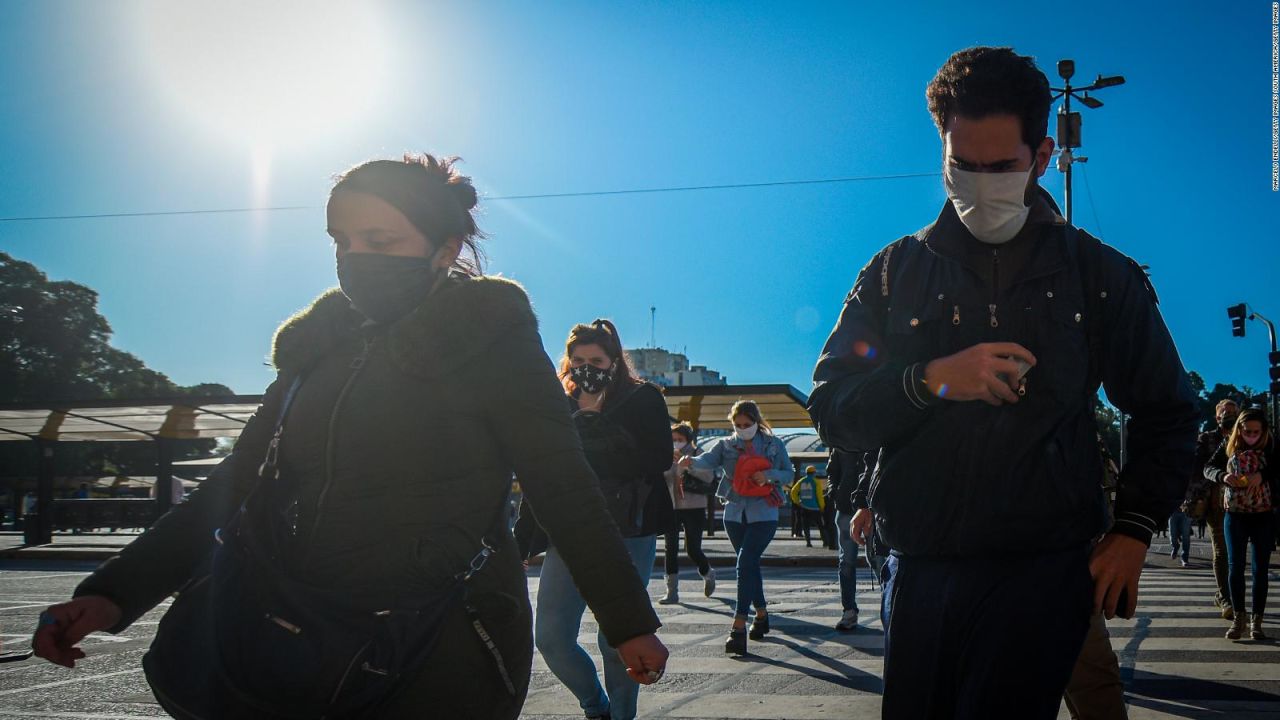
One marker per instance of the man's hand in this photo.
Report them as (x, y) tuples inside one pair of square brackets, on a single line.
[(860, 526), (63, 626), (645, 658), (986, 372), (1116, 565), (759, 478)]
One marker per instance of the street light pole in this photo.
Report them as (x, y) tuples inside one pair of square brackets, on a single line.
[(1068, 140), (1069, 122)]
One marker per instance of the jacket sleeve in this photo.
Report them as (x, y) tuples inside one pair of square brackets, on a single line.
[(782, 471), (526, 409), (164, 557), (862, 397), (1216, 468), (863, 489), (1143, 377), (711, 459), (651, 428)]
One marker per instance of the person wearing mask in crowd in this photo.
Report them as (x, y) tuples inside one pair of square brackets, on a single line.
[(988, 486), (843, 471), (1244, 469), (1199, 489), (691, 515), (623, 423), (808, 494), (755, 465), (375, 475)]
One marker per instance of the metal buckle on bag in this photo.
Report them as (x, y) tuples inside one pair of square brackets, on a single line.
[(478, 561)]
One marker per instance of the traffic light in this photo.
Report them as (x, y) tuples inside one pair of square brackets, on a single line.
[(1237, 314), (1274, 357)]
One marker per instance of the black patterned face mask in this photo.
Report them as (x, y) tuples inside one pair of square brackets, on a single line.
[(591, 379)]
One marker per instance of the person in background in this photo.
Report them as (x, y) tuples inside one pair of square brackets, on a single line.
[(1245, 470), (755, 465), (691, 514), (625, 432), (1180, 533), (1199, 489), (843, 471), (807, 494)]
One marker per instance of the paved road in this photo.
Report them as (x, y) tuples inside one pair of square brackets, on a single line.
[(1174, 657)]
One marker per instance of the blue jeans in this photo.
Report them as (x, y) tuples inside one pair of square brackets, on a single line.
[(948, 638), (1180, 533), (749, 541), (555, 631), (1243, 529), (848, 562)]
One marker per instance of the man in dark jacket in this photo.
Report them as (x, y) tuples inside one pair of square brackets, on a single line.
[(843, 472), (968, 353), (1199, 488)]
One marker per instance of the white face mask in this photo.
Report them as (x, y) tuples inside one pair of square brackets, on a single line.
[(746, 433), (679, 444), (991, 205)]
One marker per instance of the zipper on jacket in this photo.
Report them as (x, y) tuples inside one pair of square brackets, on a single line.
[(955, 315), (995, 286), (357, 364)]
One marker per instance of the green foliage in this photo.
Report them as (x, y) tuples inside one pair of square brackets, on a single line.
[(55, 346)]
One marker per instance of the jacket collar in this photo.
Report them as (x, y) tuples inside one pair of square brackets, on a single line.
[(947, 236), (455, 324)]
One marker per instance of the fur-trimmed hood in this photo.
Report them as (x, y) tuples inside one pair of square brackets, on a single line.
[(459, 321)]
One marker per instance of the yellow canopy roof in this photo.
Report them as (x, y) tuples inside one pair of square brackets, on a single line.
[(706, 407)]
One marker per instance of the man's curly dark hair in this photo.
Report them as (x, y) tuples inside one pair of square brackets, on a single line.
[(982, 81)]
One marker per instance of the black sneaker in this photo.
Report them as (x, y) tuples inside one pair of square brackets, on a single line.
[(736, 644), (759, 627)]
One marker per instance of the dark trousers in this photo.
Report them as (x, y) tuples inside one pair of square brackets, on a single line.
[(983, 637), (691, 521), (810, 518), (1243, 530)]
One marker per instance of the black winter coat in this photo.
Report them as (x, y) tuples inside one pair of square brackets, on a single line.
[(405, 440), (967, 478)]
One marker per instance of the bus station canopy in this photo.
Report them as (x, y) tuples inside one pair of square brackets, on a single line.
[(706, 407), (171, 418)]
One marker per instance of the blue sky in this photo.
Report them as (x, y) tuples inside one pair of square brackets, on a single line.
[(137, 107)]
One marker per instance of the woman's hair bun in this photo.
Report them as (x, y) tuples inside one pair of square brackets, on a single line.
[(463, 191)]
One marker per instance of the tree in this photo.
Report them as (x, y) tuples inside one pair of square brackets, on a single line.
[(55, 346)]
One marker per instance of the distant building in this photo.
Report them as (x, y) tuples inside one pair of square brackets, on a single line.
[(668, 369)]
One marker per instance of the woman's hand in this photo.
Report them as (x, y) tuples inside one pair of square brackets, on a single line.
[(1230, 480), (62, 627), (684, 462), (758, 477)]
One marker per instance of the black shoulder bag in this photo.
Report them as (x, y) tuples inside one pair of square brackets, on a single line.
[(247, 638)]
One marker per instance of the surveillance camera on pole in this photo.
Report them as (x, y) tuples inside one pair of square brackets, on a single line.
[(1069, 122)]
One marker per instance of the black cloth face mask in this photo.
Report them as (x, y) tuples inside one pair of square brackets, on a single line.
[(385, 288), (592, 380)]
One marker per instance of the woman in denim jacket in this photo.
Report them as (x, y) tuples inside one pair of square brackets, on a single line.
[(749, 520)]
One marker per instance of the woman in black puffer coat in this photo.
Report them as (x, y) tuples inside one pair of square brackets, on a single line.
[(424, 387)]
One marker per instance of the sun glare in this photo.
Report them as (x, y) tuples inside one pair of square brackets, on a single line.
[(267, 74)]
